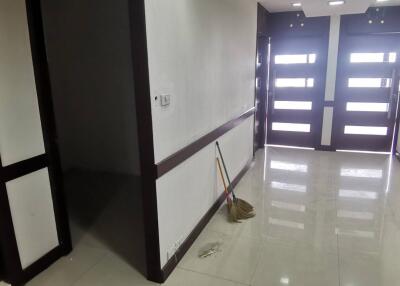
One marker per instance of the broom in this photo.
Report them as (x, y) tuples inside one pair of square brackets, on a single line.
[(232, 211), (244, 209)]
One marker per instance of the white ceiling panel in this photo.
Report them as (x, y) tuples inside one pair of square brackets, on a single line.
[(314, 8)]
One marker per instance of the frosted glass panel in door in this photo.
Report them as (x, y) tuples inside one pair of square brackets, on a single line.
[(20, 128), (33, 216)]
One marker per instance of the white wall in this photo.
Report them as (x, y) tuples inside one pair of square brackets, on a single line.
[(89, 52), (202, 53), (187, 192)]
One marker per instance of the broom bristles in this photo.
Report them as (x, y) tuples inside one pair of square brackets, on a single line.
[(245, 206), (237, 213), (233, 213), (241, 214)]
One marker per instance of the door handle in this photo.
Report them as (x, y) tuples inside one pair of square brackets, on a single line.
[(273, 92), (392, 95)]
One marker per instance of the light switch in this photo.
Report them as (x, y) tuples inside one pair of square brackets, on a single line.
[(165, 99)]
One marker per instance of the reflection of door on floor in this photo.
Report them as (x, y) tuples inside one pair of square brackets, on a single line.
[(297, 80), (367, 86)]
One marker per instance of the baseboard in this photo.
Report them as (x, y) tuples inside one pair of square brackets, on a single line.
[(37, 267), (173, 262)]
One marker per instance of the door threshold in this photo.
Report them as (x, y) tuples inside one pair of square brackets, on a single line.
[(364, 152), (289, 147)]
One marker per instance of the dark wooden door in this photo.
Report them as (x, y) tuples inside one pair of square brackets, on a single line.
[(367, 87), (297, 80)]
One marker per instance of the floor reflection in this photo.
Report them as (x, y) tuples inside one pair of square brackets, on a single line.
[(334, 203)]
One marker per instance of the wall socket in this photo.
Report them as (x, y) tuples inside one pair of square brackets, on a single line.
[(165, 99)]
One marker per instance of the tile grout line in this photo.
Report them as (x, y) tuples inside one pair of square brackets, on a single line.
[(337, 239), (256, 267), (338, 260), (213, 276)]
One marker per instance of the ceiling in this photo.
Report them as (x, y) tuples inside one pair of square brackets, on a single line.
[(314, 8)]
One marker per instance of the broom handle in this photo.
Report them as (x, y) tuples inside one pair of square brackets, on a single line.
[(223, 179), (226, 171)]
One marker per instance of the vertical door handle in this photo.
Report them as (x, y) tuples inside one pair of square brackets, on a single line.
[(273, 92), (392, 91)]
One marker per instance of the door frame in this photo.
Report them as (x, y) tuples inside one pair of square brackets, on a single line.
[(12, 269)]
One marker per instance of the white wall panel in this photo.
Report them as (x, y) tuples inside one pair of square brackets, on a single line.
[(187, 192), (33, 215), (333, 51), (202, 53), (20, 128), (327, 126)]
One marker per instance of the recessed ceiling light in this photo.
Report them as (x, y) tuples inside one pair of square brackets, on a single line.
[(297, 4), (336, 3), (382, 1)]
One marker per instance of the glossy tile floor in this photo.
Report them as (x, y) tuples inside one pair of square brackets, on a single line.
[(323, 219)]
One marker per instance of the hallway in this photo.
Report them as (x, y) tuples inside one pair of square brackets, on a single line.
[(323, 218)]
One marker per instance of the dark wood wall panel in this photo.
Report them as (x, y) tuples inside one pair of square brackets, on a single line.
[(260, 103)]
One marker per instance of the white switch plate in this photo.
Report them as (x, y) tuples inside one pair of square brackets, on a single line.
[(165, 99)]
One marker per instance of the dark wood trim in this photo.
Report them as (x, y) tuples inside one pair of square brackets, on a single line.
[(145, 134), (262, 73), (46, 109), (8, 242), (23, 168), (177, 158), (43, 263), (396, 128), (325, 148), (329, 104), (39, 266), (173, 262)]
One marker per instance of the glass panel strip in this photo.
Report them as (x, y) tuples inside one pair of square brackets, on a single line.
[(291, 127), (365, 130), (367, 106), (293, 105)]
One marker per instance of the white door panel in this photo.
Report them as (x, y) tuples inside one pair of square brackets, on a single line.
[(33, 216), (20, 128)]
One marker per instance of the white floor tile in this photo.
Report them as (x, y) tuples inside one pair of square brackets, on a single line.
[(70, 268), (112, 270), (236, 260), (181, 277), (283, 265)]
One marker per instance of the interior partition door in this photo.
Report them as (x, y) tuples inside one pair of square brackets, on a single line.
[(297, 80), (367, 87), (33, 222)]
